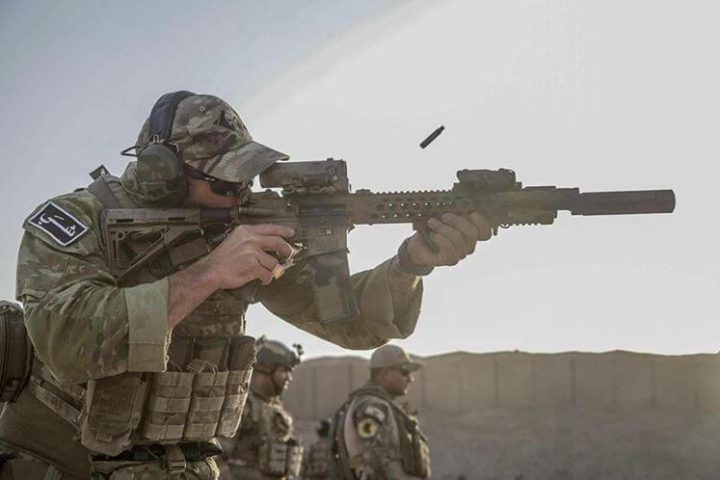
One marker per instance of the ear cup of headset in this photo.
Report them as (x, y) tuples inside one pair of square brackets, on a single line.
[(160, 177)]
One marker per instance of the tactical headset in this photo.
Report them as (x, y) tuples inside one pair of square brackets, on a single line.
[(161, 175)]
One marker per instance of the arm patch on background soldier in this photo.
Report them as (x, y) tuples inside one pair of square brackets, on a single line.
[(368, 419), (367, 428), (58, 224)]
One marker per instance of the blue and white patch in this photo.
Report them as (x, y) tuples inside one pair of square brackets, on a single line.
[(375, 412), (58, 223)]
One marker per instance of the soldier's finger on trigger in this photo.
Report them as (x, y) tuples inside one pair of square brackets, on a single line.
[(278, 271)]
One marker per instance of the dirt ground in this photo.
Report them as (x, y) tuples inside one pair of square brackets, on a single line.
[(570, 444)]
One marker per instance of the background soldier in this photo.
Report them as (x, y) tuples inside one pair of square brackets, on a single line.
[(265, 445), (375, 437), (146, 370), (315, 463)]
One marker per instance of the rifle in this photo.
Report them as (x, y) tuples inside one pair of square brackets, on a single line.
[(315, 200)]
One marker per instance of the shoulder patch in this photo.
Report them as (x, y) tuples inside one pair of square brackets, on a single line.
[(373, 411), (369, 417), (367, 428), (59, 224)]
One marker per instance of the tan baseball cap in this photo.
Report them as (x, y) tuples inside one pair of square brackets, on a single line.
[(211, 137), (393, 356)]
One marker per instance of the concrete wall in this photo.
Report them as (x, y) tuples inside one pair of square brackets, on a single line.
[(520, 416), (459, 383)]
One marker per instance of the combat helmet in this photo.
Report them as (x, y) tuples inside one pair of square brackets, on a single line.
[(272, 354)]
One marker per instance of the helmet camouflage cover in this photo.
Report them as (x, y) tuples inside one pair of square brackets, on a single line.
[(272, 353)]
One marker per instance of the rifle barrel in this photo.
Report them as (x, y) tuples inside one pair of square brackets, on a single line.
[(625, 203)]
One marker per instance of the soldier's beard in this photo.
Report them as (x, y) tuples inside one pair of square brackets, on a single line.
[(401, 389), (279, 387)]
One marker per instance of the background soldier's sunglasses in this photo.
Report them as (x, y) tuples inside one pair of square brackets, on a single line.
[(220, 187)]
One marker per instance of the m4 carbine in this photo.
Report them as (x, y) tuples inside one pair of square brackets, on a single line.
[(315, 200)]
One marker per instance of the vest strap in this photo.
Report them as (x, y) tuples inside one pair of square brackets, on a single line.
[(64, 400), (175, 459), (100, 188), (55, 403)]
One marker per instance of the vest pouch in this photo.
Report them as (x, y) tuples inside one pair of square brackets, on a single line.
[(242, 353), (422, 455), (236, 395), (294, 458), (317, 461), (208, 397), (240, 361), (414, 449), (16, 352), (280, 459), (167, 407), (214, 350), (113, 406)]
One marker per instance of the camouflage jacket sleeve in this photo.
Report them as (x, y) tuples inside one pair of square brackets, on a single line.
[(82, 324), (388, 299)]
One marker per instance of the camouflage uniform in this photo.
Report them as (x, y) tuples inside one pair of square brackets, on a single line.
[(108, 371), (265, 446), (315, 463), (375, 438), (265, 423)]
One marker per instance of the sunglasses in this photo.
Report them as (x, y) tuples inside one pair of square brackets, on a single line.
[(219, 187)]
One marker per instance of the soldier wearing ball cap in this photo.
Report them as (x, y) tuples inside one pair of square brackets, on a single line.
[(265, 446), (136, 376), (374, 436)]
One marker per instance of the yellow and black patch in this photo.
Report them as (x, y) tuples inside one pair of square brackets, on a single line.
[(367, 428)]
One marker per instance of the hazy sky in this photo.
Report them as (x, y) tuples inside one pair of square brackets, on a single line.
[(601, 95)]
